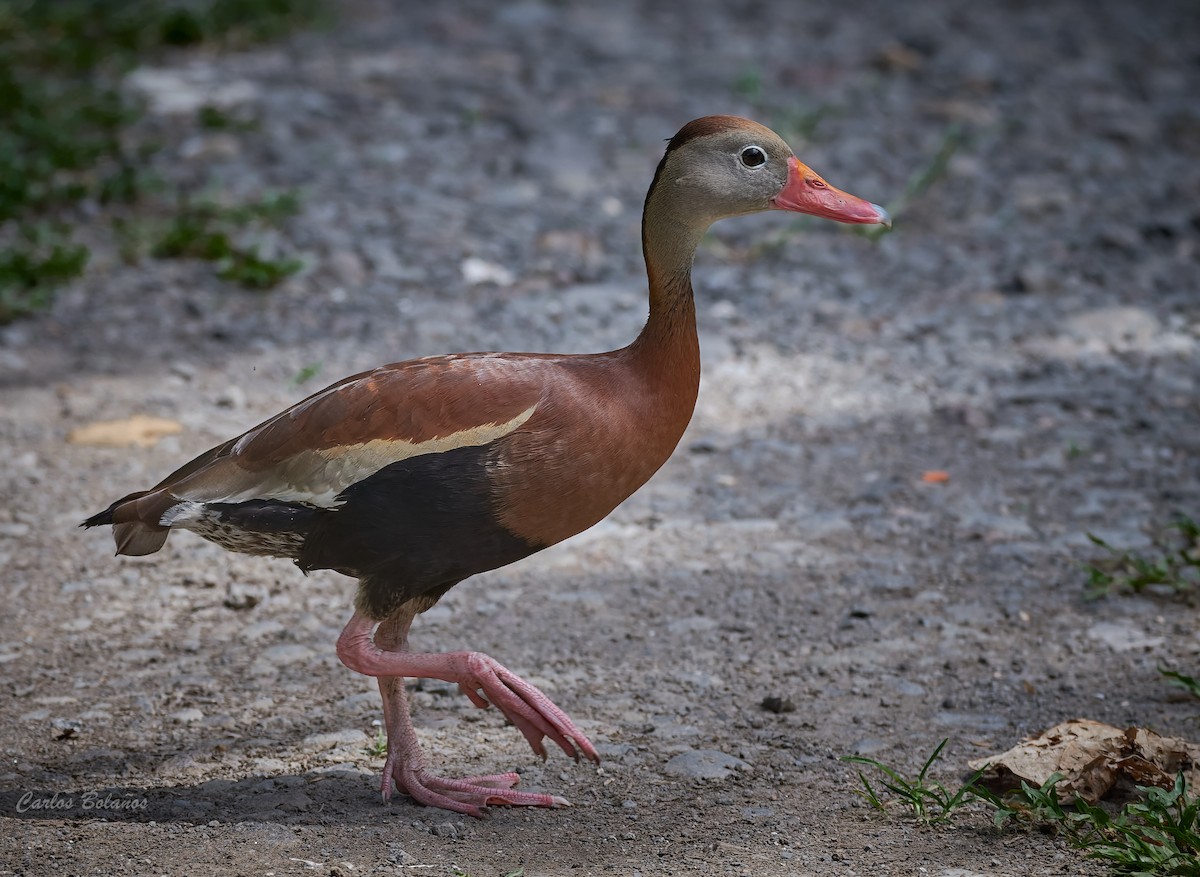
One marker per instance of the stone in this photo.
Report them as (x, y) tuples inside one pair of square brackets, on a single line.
[(704, 764)]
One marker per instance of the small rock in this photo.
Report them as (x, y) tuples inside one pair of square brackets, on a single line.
[(65, 729), (1119, 237), (476, 271), (773, 703), (180, 765), (269, 766), (447, 829), (1115, 326), (994, 528), (1035, 277), (704, 764), (210, 146), (233, 397), (187, 716), (182, 92), (723, 310), (333, 739), (869, 746), (400, 856), (1123, 636), (284, 653), (242, 597), (348, 268), (294, 800), (757, 812), (692, 624), (974, 721)]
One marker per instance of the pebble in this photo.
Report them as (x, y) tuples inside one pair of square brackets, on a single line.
[(233, 397), (183, 91), (1124, 636), (773, 703), (448, 829), (269, 766), (1119, 327), (476, 271), (909, 689), (994, 528), (273, 657), (691, 624), (347, 266), (974, 721), (334, 739), (869, 746), (704, 764), (757, 812), (294, 800)]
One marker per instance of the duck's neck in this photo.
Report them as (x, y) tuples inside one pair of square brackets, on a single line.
[(667, 344)]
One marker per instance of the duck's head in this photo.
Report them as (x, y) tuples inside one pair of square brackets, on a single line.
[(720, 166)]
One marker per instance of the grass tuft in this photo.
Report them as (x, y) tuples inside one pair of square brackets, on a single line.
[(305, 374), (1189, 684), (1176, 567), (1155, 836), (31, 269), (928, 800), (207, 230), (66, 127), (377, 748)]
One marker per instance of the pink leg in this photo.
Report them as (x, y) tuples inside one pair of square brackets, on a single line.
[(485, 682)]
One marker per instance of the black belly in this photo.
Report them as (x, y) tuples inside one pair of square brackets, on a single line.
[(413, 530)]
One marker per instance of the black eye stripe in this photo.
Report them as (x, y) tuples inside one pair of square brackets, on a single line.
[(753, 156)]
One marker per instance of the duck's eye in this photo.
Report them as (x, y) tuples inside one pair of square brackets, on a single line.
[(753, 156)]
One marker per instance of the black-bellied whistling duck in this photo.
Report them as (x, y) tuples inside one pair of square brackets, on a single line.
[(416, 475)]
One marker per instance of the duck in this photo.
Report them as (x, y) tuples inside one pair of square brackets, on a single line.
[(417, 475)]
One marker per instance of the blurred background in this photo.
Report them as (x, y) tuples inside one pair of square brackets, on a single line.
[(941, 484)]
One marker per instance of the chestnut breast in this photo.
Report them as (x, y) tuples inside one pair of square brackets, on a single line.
[(603, 427)]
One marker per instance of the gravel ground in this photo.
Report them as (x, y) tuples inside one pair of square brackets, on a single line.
[(472, 177)]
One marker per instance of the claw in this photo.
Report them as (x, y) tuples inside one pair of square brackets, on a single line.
[(485, 682), (525, 705)]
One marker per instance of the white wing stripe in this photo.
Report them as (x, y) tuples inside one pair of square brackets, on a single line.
[(317, 477)]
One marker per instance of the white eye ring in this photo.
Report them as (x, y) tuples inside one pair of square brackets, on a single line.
[(752, 157)]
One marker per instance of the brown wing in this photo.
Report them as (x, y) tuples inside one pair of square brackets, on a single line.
[(314, 450)]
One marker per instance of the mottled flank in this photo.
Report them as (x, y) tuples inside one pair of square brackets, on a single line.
[(272, 529), (233, 538)]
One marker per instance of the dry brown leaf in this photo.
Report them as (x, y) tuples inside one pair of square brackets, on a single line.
[(140, 430), (1094, 759)]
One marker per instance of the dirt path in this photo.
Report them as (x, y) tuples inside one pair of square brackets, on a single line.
[(1032, 327)]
